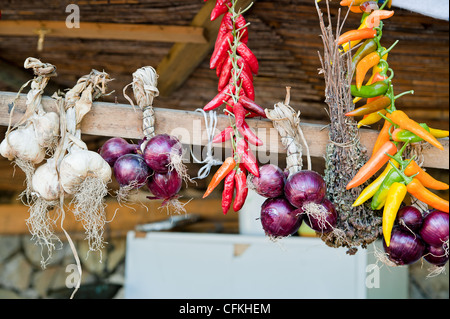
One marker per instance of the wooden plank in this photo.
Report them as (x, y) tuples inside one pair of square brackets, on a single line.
[(122, 219), (184, 58), (110, 119), (110, 31)]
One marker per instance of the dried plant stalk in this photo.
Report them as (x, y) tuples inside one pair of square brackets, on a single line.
[(345, 155)]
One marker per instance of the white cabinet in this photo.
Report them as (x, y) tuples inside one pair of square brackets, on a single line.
[(169, 265)]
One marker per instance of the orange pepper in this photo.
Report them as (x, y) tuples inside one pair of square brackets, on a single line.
[(227, 166), (403, 121), (373, 165), (426, 179), (359, 34)]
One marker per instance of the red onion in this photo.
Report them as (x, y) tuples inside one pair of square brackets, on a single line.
[(131, 170), (320, 217), (279, 218), (158, 152), (435, 229), (270, 182), (164, 186), (405, 247), (114, 148), (436, 255), (305, 186), (409, 218)]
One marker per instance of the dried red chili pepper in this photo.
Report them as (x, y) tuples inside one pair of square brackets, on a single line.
[(239, 114), (221, 52), (252, 106), (225, 73), (224, 136), (243, 65), (247, 159), (247, 85), (219, 9), (244, 51), (220, 98), (228, 191), (240, 179), (248, 134)]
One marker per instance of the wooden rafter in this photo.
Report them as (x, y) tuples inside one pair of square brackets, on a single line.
[(109, 31), (184, 58), (110, 119)]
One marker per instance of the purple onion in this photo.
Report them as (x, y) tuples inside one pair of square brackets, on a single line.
[(435, 228), (436, 255), (409, 218), (158, 152), (270, 182), (303, 187), (165, 186), (405, 247), (131, 170), (114, 148), (324, 220), (279, 218)]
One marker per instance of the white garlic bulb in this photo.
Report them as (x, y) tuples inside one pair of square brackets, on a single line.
[(46, 128), (80, 164), (45, 181), (22, 144)]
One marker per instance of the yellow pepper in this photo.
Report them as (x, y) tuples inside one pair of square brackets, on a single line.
[(372, 188), (394, 199), (438, 133), (371, 118)]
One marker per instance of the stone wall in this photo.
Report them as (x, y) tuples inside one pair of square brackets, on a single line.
[(21, 274)]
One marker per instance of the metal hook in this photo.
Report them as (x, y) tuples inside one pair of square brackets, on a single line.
[(41, 32)]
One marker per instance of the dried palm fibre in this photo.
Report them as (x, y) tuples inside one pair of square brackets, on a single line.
[(345, 155), (287, 122)]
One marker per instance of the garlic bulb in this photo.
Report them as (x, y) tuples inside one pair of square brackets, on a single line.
[(47, 128), (45, 181), (22, 144), (80, 164)]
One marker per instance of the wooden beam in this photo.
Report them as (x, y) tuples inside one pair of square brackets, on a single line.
[(110, 119), (184, 58), (124, 218), (109, 31)]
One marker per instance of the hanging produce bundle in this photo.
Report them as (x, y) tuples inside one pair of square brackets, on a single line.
[(357, 226), (235, 66), (399, 173), (36, 133), (66, 167), (298, 194), (156, 161)]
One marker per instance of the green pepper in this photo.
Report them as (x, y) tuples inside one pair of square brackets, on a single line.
[(369, 91), (369, 46), (401, 135), (379, 199)]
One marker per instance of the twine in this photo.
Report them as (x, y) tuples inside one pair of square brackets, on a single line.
[(209, 160)]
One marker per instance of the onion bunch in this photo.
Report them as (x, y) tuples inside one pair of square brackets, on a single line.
[(156, 161), (300, 194), (416, 234)]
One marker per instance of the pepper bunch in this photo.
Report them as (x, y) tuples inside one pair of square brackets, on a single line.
[(400, 176), (235, 66)]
